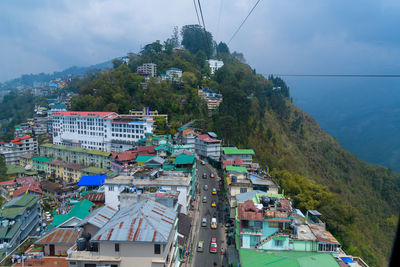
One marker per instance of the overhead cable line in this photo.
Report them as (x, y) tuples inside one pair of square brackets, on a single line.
[(197, 13), (233, 36), (204, 25), (219, 16), (342, 75)]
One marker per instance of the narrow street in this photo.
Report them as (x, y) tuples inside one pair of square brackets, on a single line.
[(205, 258)]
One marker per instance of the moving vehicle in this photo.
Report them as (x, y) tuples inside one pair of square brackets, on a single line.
[(212, 175), (213, 223), (204, 199), (213, 245), (205, 187), (213, 204), (204, 222), (203, 162), (200, 246), (214, 191), (204, 175)]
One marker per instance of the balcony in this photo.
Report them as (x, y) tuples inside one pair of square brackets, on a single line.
[(76, 255), (251, 231)]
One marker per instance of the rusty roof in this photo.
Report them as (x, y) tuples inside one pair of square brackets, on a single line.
[(95, 197), (322, 235), (60, 236), (249, 211), (100, 217), (146, 221), (285, 205)]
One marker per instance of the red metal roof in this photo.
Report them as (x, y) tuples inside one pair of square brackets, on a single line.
[(285, 205), (9, 182), (206, 138), (66, 236), (249, 211), (90, 114), (30, 188)]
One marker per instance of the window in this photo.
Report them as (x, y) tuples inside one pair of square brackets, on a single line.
[(243, 190), (278, 243), (116, 247), (110, 188), (157, 249), (257, 239)]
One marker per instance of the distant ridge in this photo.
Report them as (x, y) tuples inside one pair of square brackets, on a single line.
[(30, 79)]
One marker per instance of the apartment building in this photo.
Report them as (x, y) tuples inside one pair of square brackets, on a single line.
[(105, 131), (215, 65), (77, 155), (144, 234), (147, 69), (208, 146), (13, 150), (19, 218)]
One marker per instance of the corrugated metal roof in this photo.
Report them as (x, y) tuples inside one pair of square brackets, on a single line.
[(65, 236), (146, 221), (100, 217), (323, 235)]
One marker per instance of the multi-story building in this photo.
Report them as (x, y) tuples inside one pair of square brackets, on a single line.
[(78, 155), (174, 74), (144, 234), (13, 150), (232, 153), (147, 114), (106, 131), (39, 164), (69, 172), (208, 146), (23, 129), (19, 218), (164, 180), (147, 69), (215, 65), (270, 223), (26, 159), (213, 99)]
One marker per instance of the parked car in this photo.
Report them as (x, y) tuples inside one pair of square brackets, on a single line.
[(200, 246), (205, 187), (213, 245), (214, 191), (204, 222), (213, 223), (204, 199), (204, 175)]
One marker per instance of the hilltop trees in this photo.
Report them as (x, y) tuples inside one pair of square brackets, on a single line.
[(195, 38)]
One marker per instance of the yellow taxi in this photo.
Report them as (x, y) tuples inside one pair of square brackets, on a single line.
[(214, 191), (212, 175), (213, 204)]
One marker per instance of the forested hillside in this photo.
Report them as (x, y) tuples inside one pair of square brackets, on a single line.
[(359, 201)]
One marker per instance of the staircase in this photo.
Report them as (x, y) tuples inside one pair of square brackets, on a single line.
[(267, 239)]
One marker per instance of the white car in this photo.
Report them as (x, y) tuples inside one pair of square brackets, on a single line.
[(213, 223)]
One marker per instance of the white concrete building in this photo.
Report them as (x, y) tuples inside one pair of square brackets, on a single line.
[(167, 180), (208, 146), (215, 65), (147, 69), (22, 145), (106, 131), (144, 235), (174, 73)]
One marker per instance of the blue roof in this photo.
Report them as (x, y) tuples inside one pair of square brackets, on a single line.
[(92, 180), (347, 260)]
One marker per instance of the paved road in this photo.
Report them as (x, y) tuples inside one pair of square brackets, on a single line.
[(205, 258)]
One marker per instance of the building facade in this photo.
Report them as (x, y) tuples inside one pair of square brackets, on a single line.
[(13, 150), (215, 65), (207, 146), (105, 131), (147, 69)]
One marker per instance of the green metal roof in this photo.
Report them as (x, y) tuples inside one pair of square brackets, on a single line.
[(12, 213), (78, 149), (184, 159), (230, 168), (9, 232), (94, 170), (80, 210), (236, 151), (12, 209), (161, 147), (58, 106), (14, 169), (42, 159), (143, 158), (26, 201), (168, 166), (252, 257)]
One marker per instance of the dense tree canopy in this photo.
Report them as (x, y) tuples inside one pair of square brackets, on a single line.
[(195, 38)]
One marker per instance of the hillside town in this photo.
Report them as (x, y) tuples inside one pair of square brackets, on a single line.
[(87, 188)]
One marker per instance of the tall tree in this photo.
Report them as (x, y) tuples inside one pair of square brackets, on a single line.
[(195, 38), (3, 169)]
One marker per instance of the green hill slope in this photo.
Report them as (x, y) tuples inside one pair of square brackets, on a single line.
[(359, 201)]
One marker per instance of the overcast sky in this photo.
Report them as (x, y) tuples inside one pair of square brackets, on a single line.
[(281, 36)]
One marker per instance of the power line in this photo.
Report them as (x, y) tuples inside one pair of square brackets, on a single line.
[(204, 25), (342, 75), (219, 16), (233, 36), (197, 13)]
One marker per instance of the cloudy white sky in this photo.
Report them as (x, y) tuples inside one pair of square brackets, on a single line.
[(285, 36)]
